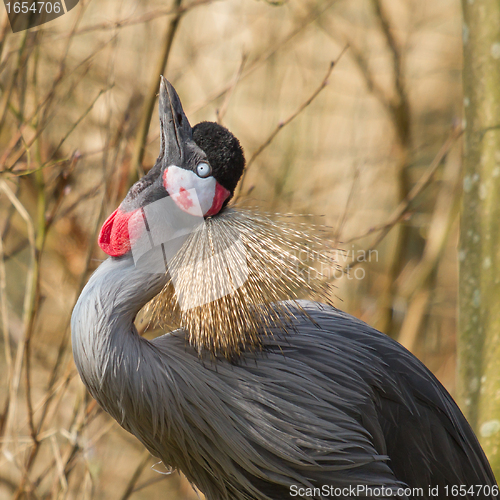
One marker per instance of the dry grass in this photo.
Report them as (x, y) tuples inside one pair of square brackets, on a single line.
[(75, 97)]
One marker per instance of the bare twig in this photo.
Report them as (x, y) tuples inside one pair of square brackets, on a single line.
[(65, 338), (258, 61), (87, 195), (4, 33), (21, 60), (41, 122), (145, 18), (4, 312), (142, 132), (59, 463), (397, 54), (29, 297), (82, 116), (6, 337), (152, 481), (223, 109), (343, 219), (285, 122), (402, 209), (361, 61), (416, 288), (262, 58), (146, 458)]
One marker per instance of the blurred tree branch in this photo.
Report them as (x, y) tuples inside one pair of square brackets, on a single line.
[(416, 289), (149, 102), (479, 258), (129, 489), (403, 208), (176, 11), (399, 111), (288, 120), (220, 112), (257, 61)]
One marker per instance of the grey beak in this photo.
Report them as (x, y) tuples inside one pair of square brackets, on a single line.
[(175, 129)]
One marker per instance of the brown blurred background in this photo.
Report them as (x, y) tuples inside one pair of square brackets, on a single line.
[(75, 100)]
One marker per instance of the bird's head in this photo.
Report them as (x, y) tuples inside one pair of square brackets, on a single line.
[(197, 167)]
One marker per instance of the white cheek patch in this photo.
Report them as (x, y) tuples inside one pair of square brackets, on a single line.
[(178, 183)]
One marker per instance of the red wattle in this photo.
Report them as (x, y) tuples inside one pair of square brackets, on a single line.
[(220, 196), (114, 237)]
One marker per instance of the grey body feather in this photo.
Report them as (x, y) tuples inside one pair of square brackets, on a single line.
[(333, 403)]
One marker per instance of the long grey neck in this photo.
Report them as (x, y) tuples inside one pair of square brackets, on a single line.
[(102, 323)]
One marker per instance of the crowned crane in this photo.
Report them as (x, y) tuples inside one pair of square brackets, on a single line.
[(333, 408)]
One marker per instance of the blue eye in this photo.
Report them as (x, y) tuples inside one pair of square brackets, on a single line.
[(203, 170)]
